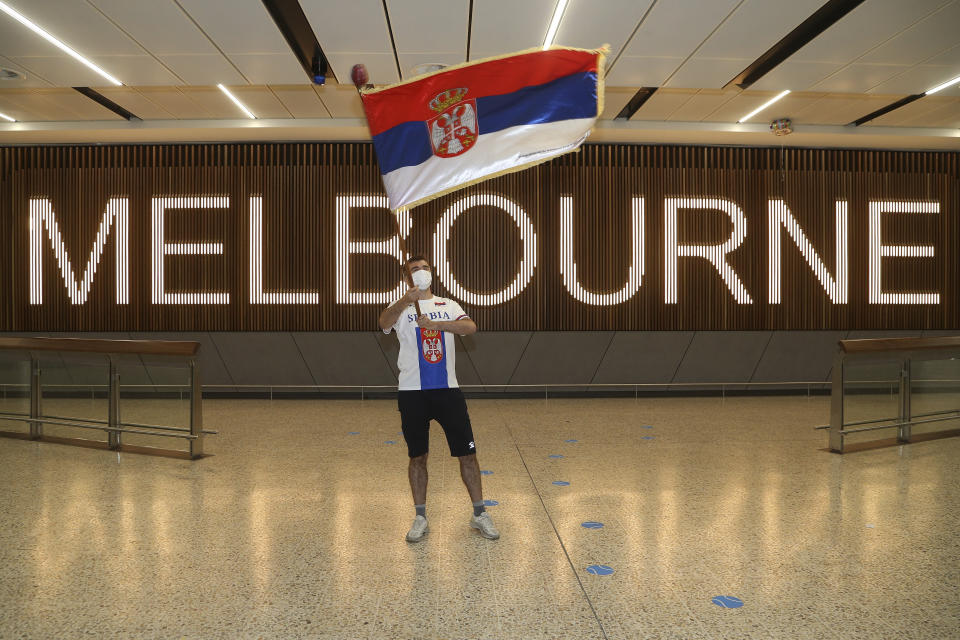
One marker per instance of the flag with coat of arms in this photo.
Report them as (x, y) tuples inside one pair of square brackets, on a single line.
[(464, 124)]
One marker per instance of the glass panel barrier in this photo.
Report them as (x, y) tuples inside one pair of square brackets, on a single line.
[(14, 390), (110, 390), (935, 393), (871, 391), (74, 387), (154, 395), (905, 388)]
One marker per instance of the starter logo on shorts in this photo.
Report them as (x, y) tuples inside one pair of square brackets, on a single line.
[(454, 131), (432, 345)]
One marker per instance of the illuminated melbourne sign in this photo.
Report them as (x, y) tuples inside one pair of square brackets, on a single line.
[(780, 222), (536, 251)]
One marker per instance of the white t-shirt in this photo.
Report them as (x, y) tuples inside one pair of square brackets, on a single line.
[(427, 358)]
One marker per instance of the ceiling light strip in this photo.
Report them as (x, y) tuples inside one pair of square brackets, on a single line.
[(4, 116), (22, 19), (469, 29), (887, 109), (821, 20), (637, 101), (764, 106), (296, 30), (902, 102), (106, 102), (237, 102), (555, 23), (393, 42), (941, 87)]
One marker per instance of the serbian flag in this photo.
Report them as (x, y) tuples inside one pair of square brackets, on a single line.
[(445, 130)]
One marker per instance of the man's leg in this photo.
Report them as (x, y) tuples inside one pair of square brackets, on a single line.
[(455, 421), (415, 423), (470, 473), (417, 471)]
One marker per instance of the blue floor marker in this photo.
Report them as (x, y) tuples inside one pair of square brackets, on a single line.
[(571, 440), (485, 472), (727, 602), (648, 426), (353, 433), (646, 437), (555, 455), (490, 503), (590, 524), (390, 442), (561, 483), (599, 570)]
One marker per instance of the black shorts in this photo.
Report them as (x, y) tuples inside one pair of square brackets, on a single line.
[(447, 407)]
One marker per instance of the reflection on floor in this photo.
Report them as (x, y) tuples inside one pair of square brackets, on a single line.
[(295, 527)]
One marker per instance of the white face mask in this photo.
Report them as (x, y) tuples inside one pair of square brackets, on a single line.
[(422, 279)]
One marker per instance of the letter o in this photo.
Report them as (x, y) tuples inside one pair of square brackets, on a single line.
[(528, 237)]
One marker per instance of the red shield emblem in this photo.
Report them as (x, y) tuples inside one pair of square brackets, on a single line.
[(454, 130), (432, 345)]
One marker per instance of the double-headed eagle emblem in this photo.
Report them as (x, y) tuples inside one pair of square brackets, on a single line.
[(432, 347), (454, 130)]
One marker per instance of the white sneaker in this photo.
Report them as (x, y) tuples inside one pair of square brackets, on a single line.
[(418, 530), (484, 523)]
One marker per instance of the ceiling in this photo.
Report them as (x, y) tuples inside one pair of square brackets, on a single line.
[(171, 54)]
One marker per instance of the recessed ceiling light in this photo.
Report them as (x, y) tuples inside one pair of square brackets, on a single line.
[(943, 86), (6, 117), (427, 67), (555, 23), (237, 102), (22, 19), (763, 106)]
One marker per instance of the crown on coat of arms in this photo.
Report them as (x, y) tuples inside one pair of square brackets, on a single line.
[(449, 97)]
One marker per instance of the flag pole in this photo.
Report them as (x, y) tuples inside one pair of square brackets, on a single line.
[(361, 80), (403, 252)]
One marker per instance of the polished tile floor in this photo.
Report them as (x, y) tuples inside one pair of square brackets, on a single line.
[(294, 528)]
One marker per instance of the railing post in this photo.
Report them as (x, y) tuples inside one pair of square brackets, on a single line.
[(113, 401), (903, 430), (36, 398), (196, 411), (836, 405)]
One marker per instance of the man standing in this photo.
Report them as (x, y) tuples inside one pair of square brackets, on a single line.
[(428, 390)]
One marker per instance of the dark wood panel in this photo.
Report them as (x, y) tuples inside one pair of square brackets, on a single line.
[(297, 189)]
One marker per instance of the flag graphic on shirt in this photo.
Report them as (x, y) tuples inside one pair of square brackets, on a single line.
[(431, 346), (433, 370), (456, 127)]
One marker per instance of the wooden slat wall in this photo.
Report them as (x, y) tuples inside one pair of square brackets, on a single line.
[(299, 184)]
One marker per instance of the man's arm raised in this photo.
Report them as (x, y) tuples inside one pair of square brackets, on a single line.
[(390, 315)]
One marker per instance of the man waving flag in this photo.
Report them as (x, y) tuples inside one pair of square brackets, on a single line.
[(455, 127)]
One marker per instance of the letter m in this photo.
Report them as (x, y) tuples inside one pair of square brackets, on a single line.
[(42, 217)]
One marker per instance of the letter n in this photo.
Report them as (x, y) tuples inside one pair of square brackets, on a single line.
[(780, 219)]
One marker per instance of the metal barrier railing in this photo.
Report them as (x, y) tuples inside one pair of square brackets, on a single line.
[(113, 351), (636, 388), (528, 389), (903, 353)]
